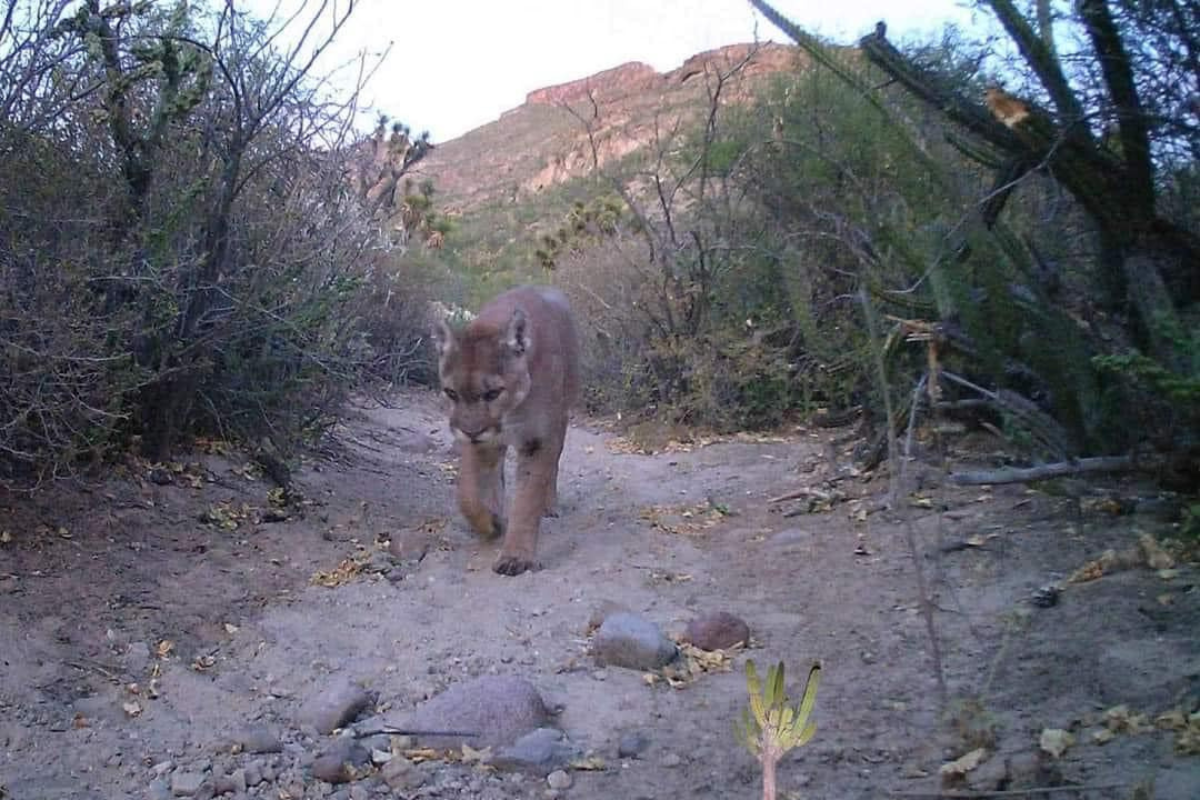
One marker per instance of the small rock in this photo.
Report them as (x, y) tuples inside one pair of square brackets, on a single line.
[(234, 782), (187, 782), (136, 657), (253, 773), (632, 745), (627, 640), (718, 631), (559, 780), (409, 545), (359, 792), (671, 760), (401, 775), (1047, 596), (498, 708), (539, 752), (990, 776), (603, 611), (99, 706), (260, 739), (159, 789), (339, 703), (791, 536), (341, 762), (9, 584)]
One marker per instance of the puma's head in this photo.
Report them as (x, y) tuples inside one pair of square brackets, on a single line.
[(484, 373)]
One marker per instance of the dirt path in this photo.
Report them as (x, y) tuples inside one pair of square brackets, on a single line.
[(94, 704)]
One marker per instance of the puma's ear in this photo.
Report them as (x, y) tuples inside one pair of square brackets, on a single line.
[(516, 337), (443, 336)]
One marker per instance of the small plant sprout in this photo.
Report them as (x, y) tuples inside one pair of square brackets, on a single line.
[(770, 726)]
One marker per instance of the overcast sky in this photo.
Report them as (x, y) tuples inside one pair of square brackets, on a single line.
[(457, 64)]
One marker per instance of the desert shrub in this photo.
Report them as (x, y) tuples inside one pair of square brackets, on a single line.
[(181, 252)]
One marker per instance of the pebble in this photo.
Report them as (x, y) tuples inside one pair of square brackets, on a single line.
[(341, 762), (401, 775), (337, 704), (260, 739), (234, 782), (632, 745), (559, 780), (187, 782), (136, 657), (719, 630), (671, 760), (540, 752), (628, 640), (603, 611)]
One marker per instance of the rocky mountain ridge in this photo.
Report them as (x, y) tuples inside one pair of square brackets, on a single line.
[(544, 142)]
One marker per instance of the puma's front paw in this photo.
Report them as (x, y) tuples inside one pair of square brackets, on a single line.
[(509, 564)]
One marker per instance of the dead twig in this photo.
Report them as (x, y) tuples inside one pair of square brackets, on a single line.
[(1059, 469), (1041, 790), (805, 492)]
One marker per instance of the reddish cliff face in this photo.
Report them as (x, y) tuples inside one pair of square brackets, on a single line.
[(540, 143), (623, 80)]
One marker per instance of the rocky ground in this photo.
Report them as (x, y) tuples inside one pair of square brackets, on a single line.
[(179, 631)]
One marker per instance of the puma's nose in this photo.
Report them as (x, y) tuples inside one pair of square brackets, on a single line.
[(475, 435)]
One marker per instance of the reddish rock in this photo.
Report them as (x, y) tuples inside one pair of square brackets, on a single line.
[(717, 631)]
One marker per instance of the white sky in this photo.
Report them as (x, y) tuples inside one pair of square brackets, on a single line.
[(457, 64)]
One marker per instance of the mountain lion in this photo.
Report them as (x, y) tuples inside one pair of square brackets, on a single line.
[(511, 376)]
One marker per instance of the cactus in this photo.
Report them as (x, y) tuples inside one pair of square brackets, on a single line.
[(770, 727)]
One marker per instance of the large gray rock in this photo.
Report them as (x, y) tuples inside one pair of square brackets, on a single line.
[(337, 704), (627, 640), (498, 708)]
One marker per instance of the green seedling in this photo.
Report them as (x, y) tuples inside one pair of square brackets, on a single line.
[(770, 727)]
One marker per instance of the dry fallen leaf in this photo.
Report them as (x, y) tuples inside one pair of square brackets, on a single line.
[(964, 764), (1055, 741), (164, 648), (471, 755), (1173, 720), (132, 708), (589, 764), (342, 573), (1156, 557)]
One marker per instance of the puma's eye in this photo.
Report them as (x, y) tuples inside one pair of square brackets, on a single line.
[(453, 395), (491, 394)]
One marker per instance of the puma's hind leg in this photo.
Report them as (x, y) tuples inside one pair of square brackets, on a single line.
[(554, 448)]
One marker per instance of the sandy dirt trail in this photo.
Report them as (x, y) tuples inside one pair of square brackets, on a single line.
[(95, 583)]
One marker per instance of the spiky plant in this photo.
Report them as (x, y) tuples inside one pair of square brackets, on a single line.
[(770, 727)]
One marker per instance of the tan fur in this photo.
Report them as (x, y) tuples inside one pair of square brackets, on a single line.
[(511, 377)]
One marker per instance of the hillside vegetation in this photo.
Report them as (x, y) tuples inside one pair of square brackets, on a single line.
[(1023, 259)]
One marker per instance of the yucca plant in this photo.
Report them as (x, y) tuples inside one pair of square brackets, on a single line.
[(770, 727)]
